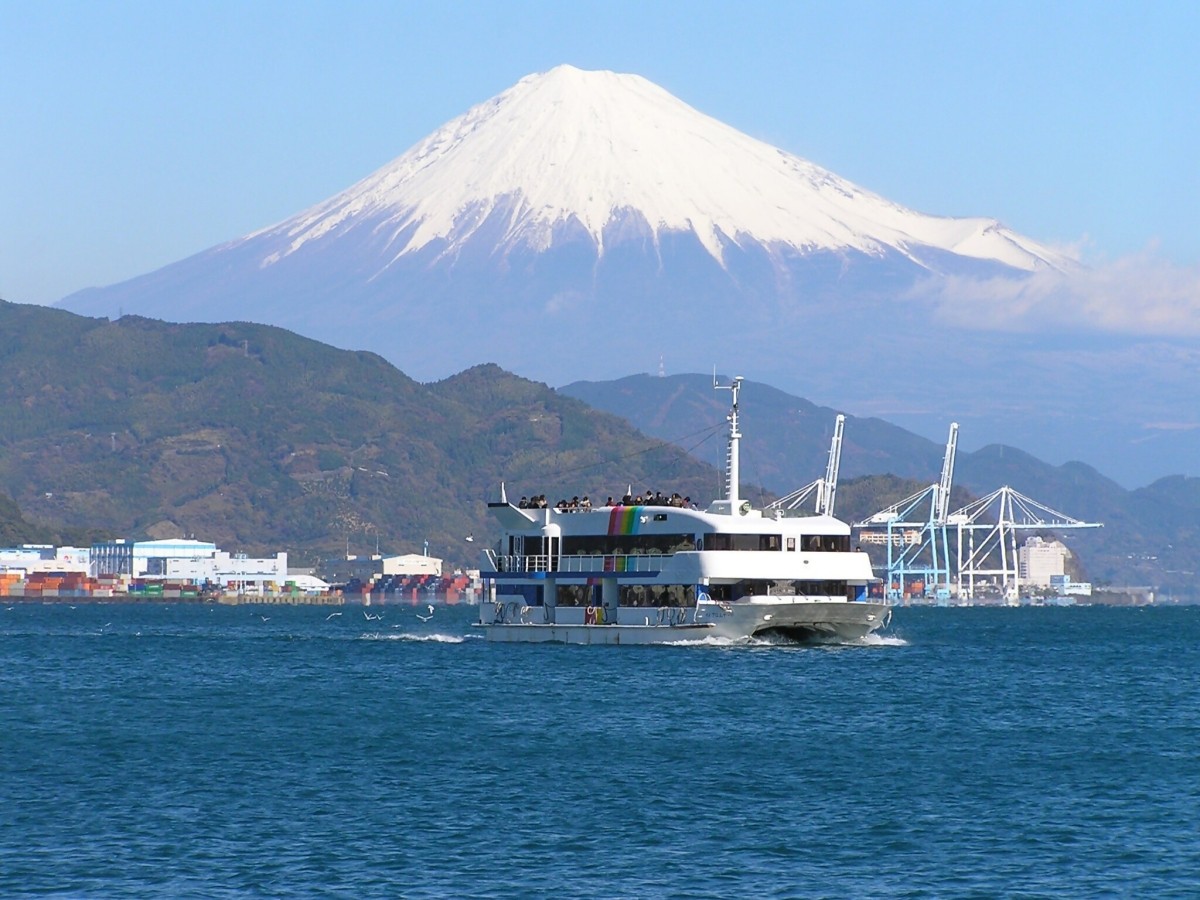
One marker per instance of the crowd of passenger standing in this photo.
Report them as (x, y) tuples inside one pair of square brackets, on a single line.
[(649, 498)]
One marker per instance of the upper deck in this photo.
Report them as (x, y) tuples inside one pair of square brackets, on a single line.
[(633, 520)]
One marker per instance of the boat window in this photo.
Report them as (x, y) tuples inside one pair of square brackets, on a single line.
[(750, 588), (722, 593), (777, 588), (619, 545), (743, 542), (657, 595), (577, 595), (718, 542), (826, 543), (820, 588)]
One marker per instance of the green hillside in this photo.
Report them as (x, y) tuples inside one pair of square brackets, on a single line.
[(260, 440)]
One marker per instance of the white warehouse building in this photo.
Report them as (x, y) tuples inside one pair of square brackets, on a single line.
[(412, 564), (1039, 561), (231, 571), (199, 562), (29, 558), (144, 559)]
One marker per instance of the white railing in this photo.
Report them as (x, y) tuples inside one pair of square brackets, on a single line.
[(652, 562)]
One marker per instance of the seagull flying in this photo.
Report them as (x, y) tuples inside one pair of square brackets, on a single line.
[(428, 617), (331, 615)]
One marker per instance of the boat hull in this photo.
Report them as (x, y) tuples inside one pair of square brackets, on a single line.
[(792, 619)]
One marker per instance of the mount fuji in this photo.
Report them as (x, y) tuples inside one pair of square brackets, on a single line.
[(588, 225)]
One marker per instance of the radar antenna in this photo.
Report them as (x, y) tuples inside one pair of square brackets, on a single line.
[(732, 487)]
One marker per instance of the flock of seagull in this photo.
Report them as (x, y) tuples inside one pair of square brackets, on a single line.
[(378, 617)]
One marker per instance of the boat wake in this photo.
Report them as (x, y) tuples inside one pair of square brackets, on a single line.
[(710, 641), (880, 640), (775, 640), (422, 638)]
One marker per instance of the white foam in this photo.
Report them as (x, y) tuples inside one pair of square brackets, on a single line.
[(710, 641), (426, 638), (881, 640), (760, 642)]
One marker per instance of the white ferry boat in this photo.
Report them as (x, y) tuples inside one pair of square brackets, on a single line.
[(640, 573)]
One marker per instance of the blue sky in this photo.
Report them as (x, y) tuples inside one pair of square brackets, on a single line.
[(135, 134)]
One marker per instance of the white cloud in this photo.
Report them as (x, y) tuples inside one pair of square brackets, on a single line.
[(1137, 295)]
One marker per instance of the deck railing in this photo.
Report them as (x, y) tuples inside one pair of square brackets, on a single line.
[(650, 562)]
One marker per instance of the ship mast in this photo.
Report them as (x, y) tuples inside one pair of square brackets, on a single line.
[(732, 487)]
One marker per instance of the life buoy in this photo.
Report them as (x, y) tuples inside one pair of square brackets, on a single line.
[(589, 616)]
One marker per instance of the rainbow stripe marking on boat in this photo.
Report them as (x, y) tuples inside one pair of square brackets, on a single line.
[(624, 520)]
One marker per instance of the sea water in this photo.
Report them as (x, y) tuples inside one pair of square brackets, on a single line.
[(198, 751)]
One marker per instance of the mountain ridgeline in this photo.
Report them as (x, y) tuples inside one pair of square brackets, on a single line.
[(1151, 536), (262, 440)]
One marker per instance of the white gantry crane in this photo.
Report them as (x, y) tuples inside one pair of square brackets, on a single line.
[(987, 535), (825, 488), (827, 492), (918, 549)]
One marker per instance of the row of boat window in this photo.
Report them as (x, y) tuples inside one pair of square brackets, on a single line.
[(641, 544), (620, 545), (825, 588), (684, 595), (629, 595), (810, 542)]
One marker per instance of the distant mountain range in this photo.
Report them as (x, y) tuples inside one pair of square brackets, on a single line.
[(259, 439), (587, 224), (1151, 535)]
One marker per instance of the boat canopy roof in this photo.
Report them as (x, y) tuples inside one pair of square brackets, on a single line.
[(661, 520)]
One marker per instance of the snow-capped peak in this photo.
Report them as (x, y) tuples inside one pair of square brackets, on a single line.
[(589, 149)]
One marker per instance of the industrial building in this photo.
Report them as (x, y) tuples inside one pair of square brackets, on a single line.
[(1040, 561), (30, 559), (197, 562), (412, 564)]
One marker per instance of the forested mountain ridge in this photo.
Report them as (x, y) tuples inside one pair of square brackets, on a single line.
[(261, 440)]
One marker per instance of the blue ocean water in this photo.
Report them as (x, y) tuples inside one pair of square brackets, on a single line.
[(197, 751)]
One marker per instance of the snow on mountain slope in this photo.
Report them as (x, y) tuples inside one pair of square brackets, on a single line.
[(595, 149)]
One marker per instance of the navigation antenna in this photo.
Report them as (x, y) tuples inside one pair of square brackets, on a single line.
[(731, 461)]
